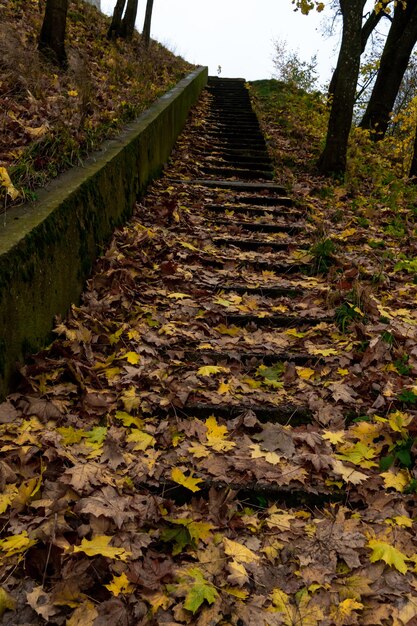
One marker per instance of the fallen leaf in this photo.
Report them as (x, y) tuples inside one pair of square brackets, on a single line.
[(99, 545)]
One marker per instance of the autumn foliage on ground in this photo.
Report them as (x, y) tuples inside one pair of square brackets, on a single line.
[(50, 118), (122, 502)]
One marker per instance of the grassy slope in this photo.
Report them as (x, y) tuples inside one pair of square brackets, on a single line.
[(51, 119)]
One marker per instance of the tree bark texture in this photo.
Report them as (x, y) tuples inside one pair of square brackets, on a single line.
[(146, 34), (395, 57), (116, 22), (129, 19), (333, 158), (52, 35), (367, 29)]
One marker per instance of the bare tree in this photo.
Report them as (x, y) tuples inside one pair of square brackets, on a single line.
[(333, 158), (52, 35), (146, 34), (116, 22), (123, 25), (401, 39)]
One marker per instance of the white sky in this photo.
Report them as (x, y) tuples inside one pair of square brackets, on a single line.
[(236, 34)]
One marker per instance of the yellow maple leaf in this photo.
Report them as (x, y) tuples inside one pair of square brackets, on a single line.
[(132, 357), (400, 520), (239, 552), (120, 584), (305, 372), (342, 372), (130, 399), (141, 439), (16, 544), (73, 93), (348, 474), (186, 481), (232, 331), (99, 545), (334, 436), (348, 232), (238, 574), (216, 436), (7, 497), (208, 370), (128, 420), (398, 480), (345, 609), (278, 518), (270, 457), (382, 551), (398, 421), (280, 600), (293, 332), (199, 451)]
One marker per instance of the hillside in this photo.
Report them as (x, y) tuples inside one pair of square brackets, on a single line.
[(51, 119)]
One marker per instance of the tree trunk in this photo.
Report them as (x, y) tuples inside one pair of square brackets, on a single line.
[(395, 57), (129, 19), (146, 34), (367, 29), (116, 22), (52, 35), (333, 158)]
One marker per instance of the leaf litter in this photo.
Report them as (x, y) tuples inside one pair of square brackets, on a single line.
[(152, 470)]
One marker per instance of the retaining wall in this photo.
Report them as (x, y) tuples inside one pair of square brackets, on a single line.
[(47, 248)]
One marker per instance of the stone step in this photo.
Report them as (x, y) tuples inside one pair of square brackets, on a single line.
[(234, 185), (225, 143), (252, 358), (219, 161), (251, 160), (238, 173), (262, 228), (275, 321), (251, 244), (285, 496), (266, 292), (236, 133), (281, 269), (284, 414), (279, 210)]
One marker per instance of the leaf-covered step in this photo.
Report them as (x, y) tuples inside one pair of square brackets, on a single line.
[(267, 292), (246, 357), (279, 207), (282, 414), (251, 494), (257, 264), (248, 164), (244, 174), (236, 185), (276, 321), (252, 244), (260, 160), (291, 229)]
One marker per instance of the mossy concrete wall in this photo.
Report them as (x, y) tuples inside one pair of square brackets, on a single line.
[(47, 248)]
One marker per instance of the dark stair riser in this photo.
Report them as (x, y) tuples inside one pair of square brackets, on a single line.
[(244, 174), (261, 228), (250, 244)]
